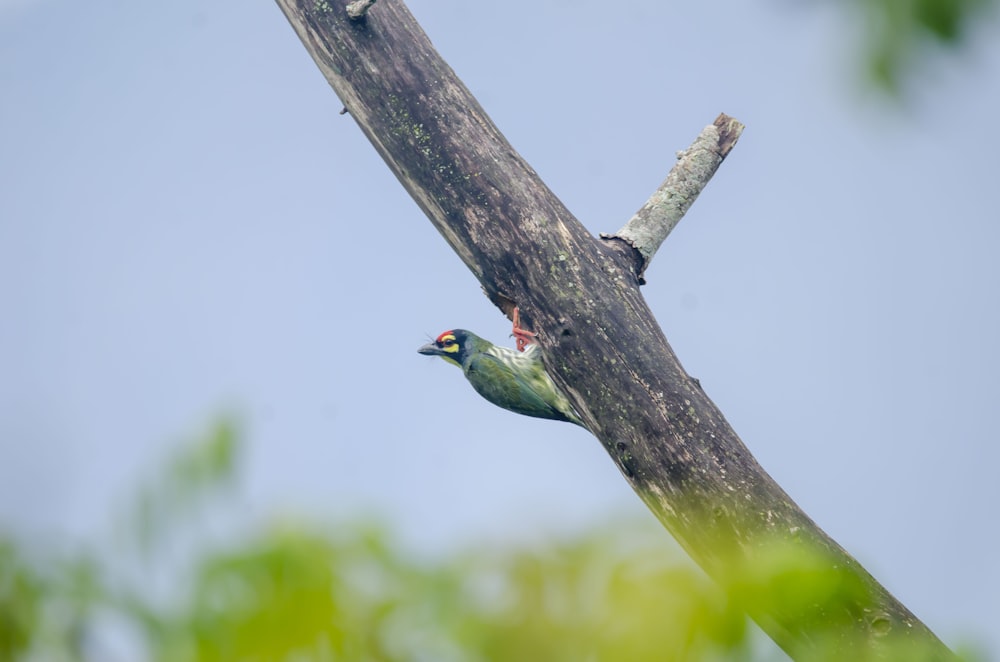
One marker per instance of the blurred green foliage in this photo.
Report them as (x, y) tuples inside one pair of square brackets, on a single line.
[(898, 35), (621, 592), (20, 594)]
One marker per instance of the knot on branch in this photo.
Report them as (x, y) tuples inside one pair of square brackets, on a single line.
[(359, 8)]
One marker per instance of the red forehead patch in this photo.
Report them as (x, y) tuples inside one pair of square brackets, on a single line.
[(440, 339)]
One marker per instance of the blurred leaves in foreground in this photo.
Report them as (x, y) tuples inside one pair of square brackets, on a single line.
[(899, 34), (295, 592)]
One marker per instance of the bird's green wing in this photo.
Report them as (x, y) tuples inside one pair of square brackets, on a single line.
[(530, 394)]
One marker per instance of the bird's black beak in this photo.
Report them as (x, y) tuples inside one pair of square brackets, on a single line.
[(430, 349)]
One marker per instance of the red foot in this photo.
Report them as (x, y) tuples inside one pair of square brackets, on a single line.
[(523, 336)]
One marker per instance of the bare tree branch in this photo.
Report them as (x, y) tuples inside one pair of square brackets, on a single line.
[(695, 166), (601, 343)]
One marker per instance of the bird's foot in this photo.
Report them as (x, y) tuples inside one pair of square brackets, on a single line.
[(523, 336)]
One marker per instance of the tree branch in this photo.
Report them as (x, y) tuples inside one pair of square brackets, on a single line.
[(582, 297), (656, 219)]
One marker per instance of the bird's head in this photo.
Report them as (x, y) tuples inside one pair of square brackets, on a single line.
[(452, 346)]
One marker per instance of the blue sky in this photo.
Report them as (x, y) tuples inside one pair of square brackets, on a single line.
[(188, 228)]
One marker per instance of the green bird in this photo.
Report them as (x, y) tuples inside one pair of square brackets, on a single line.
[(514, 380)]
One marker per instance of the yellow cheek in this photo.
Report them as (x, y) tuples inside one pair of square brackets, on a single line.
[(451, 349)]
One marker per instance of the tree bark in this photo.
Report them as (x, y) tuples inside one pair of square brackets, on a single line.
[(601, 343)]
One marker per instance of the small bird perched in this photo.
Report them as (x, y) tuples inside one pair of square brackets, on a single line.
[(514, 380)]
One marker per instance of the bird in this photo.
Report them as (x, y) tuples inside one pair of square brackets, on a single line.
[(514, 380)]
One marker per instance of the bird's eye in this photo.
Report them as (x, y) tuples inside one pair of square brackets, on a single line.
[(448, 342)]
